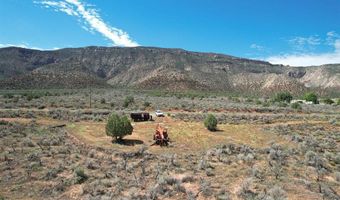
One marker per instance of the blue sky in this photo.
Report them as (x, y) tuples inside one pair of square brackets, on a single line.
[(304, 32)]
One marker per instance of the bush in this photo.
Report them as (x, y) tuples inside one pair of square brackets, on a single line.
[(282, 104), (328, 101), (118, 127), (210, 122), (8, 95), (81, 177), (128, 100), (147, 104), (277, 193), (102, 101), (258, 102), (283, 97), (310, 96), (296, 106), (338, 103)]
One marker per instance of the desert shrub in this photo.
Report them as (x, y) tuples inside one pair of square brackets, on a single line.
[(27, 142), (337, 159), (205, 188), (53, 173), (210, 122), (332, 122), (223, 195), (282, 104), (209, 172), (310, 96), (128, 100), (328, 101), (276, 193), (92, 153), (249, 100), (8, 95), (80, 176), (188, 179), (91, 164), (296, 106), (310, 157), (338, 102), (118, 127), (102, 101), (337, 176), (265, 104), (283, 97), (147, 104), (245, 190)]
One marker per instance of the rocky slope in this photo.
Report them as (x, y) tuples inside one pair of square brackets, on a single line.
[(157, 68)]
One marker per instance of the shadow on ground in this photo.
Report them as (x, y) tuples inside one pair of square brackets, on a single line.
[(129, 142)]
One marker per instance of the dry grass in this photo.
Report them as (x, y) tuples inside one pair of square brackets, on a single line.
[(185, 136)]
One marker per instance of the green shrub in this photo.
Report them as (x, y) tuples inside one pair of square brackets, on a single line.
[(283, 97), (128, 100), (328, 101), (118, 127), (265, 104), (249, 100), (282, 104), (102, 101), (258, 102), (81, 177), (210, 122), (296, 106), (310, 96), (147, 104), (338, 103), (8, 95)]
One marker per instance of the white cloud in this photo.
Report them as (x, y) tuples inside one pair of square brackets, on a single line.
[(59, 6), (331, 37), (308, 59), (304, 43), (91, 19), (257, 47)]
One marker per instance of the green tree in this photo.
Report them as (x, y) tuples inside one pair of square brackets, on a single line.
[(128, 100), (118, 127), (210, 122), (283, 97), (310, 96)]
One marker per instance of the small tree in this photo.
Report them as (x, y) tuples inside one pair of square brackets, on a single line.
[(118, 127), (210, 122), (310, 96), (128, 100), (283, 97)]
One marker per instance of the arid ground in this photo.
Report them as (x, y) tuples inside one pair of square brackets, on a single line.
[(54, 146)]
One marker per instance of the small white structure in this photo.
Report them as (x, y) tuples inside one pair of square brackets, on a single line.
[(301, 101)]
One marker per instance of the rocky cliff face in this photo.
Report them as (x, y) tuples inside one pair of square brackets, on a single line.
[(150, 68)]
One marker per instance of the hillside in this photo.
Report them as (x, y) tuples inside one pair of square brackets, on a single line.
[(157, 68)]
